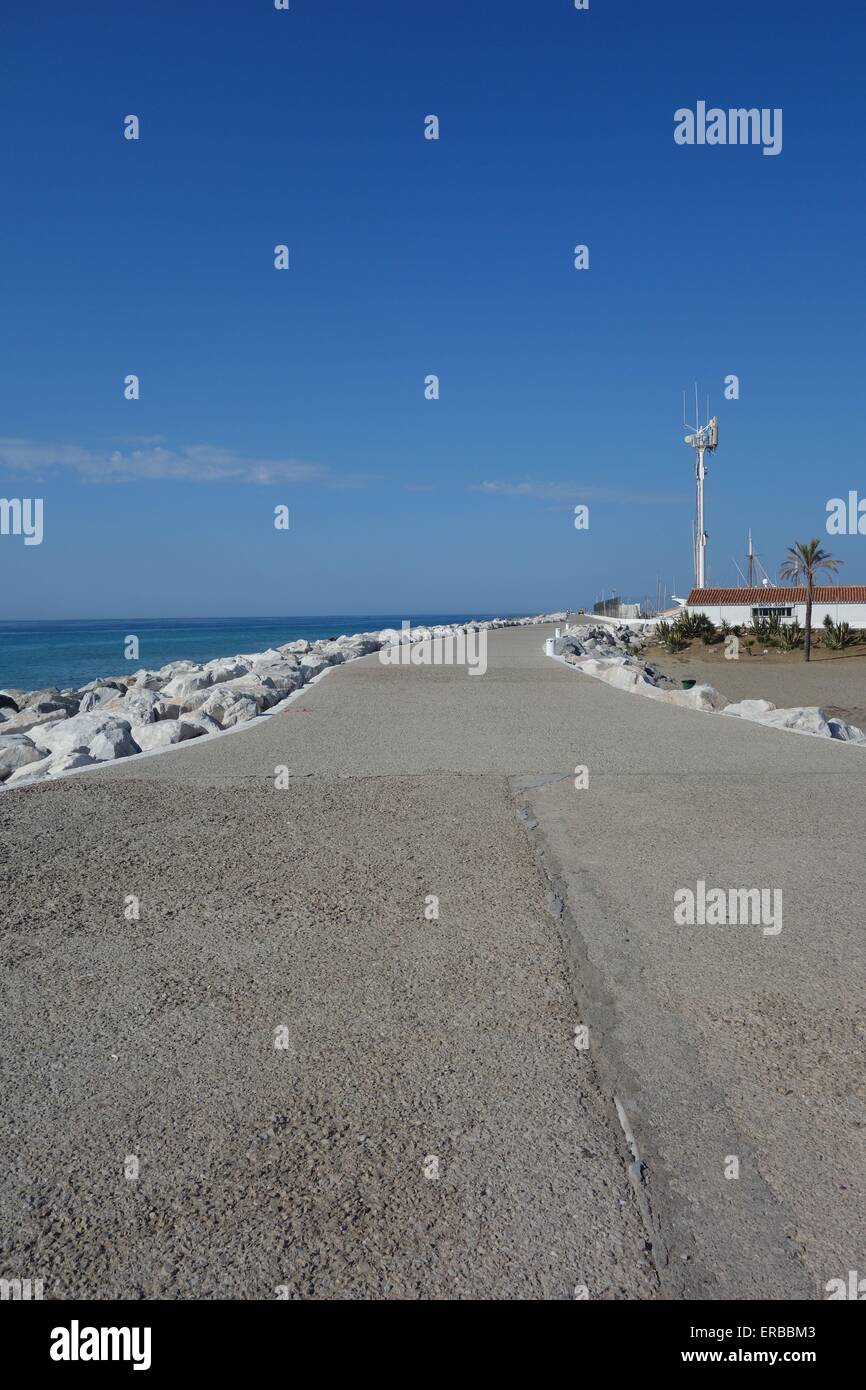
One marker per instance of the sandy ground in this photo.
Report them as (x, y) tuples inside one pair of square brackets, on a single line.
[(836, 681), (452, 1039)]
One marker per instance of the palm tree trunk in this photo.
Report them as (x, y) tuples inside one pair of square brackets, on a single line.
[(808, 650)]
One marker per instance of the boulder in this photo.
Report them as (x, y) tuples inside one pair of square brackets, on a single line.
[(17, 750), (66, 762), (51, 701), (332, 653), (849, 733), (177, 668), (103, 735), (167, 709), (273, 682), (749, 709), (808, 719), (312, 664), (30, 772), (205, 722), (229, 708), (361, 645), (701, 697), (6, 702), (800, 719), (266, 658), (219, 697), (100, 695), (139, 707), (624, 677), (166, 732), (227, 670), (28, 719), (99, 683), (147, 680), (180, 687), (599, 665)]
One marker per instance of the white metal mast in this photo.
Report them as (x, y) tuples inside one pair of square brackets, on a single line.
[(756, 569), (703, 439)]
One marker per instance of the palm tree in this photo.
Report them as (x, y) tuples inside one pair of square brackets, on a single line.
[(802, 563)]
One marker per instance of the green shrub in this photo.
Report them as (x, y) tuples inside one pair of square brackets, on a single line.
[(837, 635), (668, 635), (692, 625), (790, 636), (768, 630)]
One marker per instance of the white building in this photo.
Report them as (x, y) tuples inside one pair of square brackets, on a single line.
[(845, 603)]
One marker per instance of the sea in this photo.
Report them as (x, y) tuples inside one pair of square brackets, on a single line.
[(35, 655)]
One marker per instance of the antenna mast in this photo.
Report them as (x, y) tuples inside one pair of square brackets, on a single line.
[(756, 569), (703, 439)]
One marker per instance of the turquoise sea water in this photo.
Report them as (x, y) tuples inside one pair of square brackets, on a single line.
[(34, 655)]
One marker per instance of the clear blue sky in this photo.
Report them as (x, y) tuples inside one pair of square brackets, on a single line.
[(411, 257)]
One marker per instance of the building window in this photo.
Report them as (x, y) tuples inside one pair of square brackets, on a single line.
[(770, 610)]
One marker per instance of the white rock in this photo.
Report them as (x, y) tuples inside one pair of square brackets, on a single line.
[(801, 719), (103, 735), (241, 710), (27, 719), (362, 644), (279, 680), (32, 772), (65, 762), (186, 684), (205, 722), (265, 658), (849, 733), (169, 709), (178, 668), (147, 680), (99, 695), (99, 683), (219, 697), (312, 664), (17, 750), (331, 653), (222, 670), (808, 719), (599, 665), (228, 707), (624, 677), (701, 697), (139, 707), (52, 701), (166, 732), (749, 709)]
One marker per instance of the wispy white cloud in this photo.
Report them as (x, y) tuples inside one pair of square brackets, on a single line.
[(149, 459), (570, 493)]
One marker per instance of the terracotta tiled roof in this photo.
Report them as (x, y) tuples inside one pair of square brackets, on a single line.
[(780, 593)]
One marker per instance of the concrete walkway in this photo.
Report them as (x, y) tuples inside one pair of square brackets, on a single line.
[(426, 1127)]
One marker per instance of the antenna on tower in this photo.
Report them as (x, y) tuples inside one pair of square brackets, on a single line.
[(704, 439)]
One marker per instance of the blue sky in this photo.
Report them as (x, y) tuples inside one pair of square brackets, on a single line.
[(411, 257)]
